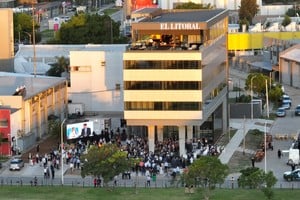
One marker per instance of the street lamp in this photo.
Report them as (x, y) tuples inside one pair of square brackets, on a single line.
[(32, 3), (251, 86), (61, 149), (267, 98), (265, 146)]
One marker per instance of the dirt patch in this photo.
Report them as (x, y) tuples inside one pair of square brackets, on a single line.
[(240, 160), (46, 145)]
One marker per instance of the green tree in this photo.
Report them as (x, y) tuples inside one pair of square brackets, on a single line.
[(275, 94), (255, 178), (200, 172), (106, 161), (192, 5), (251, 177), (22, 26), (62, 65), (286, 21), (248, 9), (258, 83), (85, 28)]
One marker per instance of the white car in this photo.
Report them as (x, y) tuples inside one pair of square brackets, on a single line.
[(292, 175), (16, 164), (280, 112), (286, 106), (286, 99)]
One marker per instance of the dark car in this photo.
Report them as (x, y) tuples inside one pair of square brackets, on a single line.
[(297, 110), (292, 175)]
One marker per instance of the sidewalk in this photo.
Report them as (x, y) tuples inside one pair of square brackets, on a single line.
[(242, 126)]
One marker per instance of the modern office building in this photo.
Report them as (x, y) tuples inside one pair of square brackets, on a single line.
[(175, 75)]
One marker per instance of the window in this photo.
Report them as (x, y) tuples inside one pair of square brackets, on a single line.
[(3, 123)]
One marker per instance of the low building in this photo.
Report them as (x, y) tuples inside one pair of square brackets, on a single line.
[(289, 66), (26, 104)]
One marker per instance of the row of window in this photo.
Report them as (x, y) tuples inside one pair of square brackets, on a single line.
[(164, 64), (162, 85), (160, 106)]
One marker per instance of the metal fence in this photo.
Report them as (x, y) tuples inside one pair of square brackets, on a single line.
[(126, 183)]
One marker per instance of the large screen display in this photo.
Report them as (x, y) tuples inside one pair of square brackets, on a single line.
[(80, 130)]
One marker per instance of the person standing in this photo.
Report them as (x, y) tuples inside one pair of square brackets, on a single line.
[(52, 171), (279, 153), (86, 131), (253, 161), (148, 180)]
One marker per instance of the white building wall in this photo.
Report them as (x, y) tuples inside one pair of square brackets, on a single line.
[(95, 87), (16, 123)]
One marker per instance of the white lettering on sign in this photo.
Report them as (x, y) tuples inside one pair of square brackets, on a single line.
[(179, 26)]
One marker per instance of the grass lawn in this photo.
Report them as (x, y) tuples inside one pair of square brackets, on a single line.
[(74, 193)]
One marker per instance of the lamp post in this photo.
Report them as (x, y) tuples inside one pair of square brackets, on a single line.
[(244, 136), (251, 86), (265, 146), (32, 3), (267, 98), (61, 149)]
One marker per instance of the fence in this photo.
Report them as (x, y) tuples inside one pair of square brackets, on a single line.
[(127, 183)]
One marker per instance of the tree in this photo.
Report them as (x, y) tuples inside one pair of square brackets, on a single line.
[(85, 28), (255, 178), (207, 171), (192, 5), (62, 65), (23, 28), (258, 83), (248, 9), (106, 161), (286, 21), (275, 94)]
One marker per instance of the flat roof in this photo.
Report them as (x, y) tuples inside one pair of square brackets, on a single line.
[(47, 54), (186, 16), (34, 85)]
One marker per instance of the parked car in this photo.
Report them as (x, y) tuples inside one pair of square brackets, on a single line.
[(286, 106), (281, 112), (286, 99), (292, 175), (16, 164), (297, 110)]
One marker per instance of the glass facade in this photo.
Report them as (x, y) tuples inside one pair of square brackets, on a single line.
[(162, 64), (159, 106), (162, 85)]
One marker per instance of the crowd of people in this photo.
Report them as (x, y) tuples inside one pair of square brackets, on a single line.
[(165, 159)]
